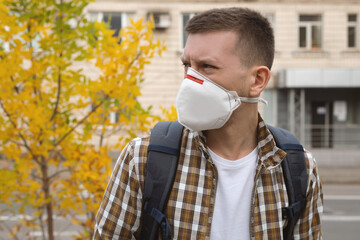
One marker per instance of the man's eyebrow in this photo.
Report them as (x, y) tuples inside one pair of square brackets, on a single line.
[(208, 60), (201, 59)]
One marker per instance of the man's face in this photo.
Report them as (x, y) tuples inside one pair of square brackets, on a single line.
[(214, 55)]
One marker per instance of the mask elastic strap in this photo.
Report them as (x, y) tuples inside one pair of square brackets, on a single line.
[(253, 100)]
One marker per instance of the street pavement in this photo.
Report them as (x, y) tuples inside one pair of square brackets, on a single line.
[(341, 218), (340, 175)]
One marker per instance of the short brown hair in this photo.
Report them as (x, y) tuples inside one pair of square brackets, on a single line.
[(256, 38)]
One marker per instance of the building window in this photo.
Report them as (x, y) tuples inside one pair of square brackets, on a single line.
[(310, 32), (352, 31), (114, 117), (116, 20), (185, 17)]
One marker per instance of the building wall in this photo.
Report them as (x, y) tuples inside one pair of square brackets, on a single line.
[(165, 74), (291, 106)]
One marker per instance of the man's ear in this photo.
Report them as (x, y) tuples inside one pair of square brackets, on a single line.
[(261, 77)]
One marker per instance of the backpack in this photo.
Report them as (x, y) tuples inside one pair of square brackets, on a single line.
[(161, 165)]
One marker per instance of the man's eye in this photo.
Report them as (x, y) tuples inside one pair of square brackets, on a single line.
[(209, 66)]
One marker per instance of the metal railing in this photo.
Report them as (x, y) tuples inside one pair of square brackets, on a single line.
[(333, 136)]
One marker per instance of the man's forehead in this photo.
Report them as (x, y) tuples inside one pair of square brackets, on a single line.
[(185, 57), (209, 49), (212, 41)]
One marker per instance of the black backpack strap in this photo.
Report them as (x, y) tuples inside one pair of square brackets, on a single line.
[(295, 175), (161, 165)]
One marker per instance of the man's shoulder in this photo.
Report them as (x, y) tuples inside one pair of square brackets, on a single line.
[(139, 146), (312, 168), (140, 141), (309, 157), (310, 160), (135, 151)]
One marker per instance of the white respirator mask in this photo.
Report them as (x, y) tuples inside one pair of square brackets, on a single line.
[(203, 104)]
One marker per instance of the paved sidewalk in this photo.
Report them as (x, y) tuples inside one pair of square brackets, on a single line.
[(340, 175), (351, 191)]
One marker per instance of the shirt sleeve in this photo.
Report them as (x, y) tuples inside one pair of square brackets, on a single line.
[(309, 224), (119, 214)]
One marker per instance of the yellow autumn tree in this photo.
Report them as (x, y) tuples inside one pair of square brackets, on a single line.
[(55, 127)]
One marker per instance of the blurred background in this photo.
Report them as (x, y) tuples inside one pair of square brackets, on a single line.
[(314, 91)]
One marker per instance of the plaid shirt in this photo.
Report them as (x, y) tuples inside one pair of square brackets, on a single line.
[(191, 202)]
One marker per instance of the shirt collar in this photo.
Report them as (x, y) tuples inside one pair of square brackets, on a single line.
[(268, 153)]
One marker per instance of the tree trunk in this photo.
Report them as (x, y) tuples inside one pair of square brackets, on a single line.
[(48, 206), (50, 220)]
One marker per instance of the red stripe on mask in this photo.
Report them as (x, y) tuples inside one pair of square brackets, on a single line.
[(194, 79)]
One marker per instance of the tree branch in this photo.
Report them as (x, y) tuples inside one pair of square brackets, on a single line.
[(16, 88), (36, 91), (57, 96), (59, 76), (58, 173), (35, 177), (102, 130), (20, 135), (133, 61), (78, 124), (17, 143)]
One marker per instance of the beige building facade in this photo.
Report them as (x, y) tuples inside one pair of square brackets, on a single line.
[(315, 85)]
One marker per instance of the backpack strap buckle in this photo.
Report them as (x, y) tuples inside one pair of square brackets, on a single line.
[(164, 223), (293, 209)]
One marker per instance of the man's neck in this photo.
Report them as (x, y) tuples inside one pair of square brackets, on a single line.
[(238, 137)]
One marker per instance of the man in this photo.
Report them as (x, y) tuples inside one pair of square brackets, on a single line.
[(229, 182)]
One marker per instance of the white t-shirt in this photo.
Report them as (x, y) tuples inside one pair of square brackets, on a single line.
[(231, 217)]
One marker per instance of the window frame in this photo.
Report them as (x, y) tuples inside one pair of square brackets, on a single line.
[(99, 16), (353, 24), (308, 25), (183, 38)]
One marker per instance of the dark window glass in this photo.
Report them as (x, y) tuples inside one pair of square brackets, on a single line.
[(352, 17), (302, 37), (310, 18), (351, 37), (185, 18), (114, 19)]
